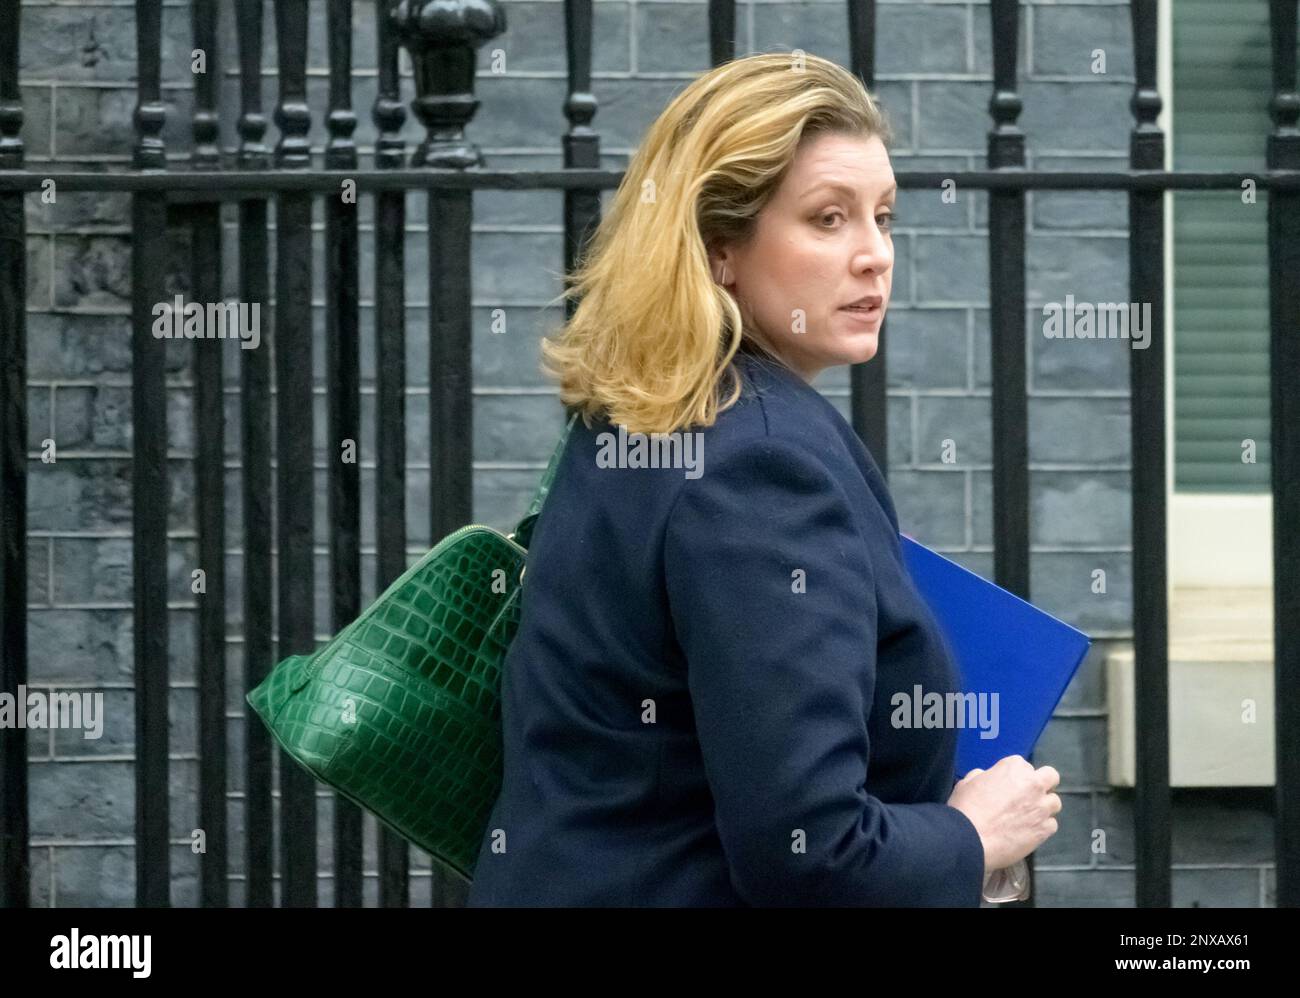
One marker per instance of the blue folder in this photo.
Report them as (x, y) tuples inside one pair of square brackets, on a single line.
[(1002, 645)]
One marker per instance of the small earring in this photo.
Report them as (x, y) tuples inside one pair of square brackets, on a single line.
[(725, 277)]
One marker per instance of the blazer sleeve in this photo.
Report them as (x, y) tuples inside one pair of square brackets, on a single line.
[(781, 683)]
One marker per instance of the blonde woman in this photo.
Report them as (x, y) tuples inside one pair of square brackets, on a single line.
[(716, 613)]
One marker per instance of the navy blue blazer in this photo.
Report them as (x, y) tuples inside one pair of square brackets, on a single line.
[(697, 704)]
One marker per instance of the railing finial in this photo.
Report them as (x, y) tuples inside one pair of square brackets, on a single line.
[(442, 36), (253, 153), (150, 111), (11, 101)]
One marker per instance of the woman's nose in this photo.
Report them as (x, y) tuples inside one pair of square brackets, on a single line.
[(875, 252)]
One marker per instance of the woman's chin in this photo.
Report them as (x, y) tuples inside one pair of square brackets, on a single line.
[(861, 347), (857, 337)]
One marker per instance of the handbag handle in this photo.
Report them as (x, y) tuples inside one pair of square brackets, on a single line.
[(524, 532)]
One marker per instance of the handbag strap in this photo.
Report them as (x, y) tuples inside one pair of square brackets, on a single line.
[(524, 532)]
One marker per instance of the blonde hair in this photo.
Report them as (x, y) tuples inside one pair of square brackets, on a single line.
[(653, 335)]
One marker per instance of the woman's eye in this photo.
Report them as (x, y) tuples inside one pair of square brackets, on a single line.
[(885, 220)]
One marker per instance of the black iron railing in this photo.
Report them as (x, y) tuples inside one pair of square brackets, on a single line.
[(450, 169)]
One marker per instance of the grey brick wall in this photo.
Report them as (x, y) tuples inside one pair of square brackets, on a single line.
[(934, 67)]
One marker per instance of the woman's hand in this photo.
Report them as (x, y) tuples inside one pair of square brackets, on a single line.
[(1011, 806)]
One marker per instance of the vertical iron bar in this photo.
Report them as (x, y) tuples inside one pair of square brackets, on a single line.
[(444, 54), (15, 861), (390, 386), (451, 401), (295, 475), (1284, 448), (205, 123), (255, 461), (209, 478), (1153, 806), (1006, 151), (1010, 407), (344, 409), (581, 142), (722, 31), (149, 489), (868, 400), (209, 481)]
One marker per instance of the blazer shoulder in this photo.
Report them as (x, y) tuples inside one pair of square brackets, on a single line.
[(778, 404), (774, 402), (783, 405)]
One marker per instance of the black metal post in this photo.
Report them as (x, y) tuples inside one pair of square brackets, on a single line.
[(294, 445), (1284, 366), (15, 862), (390, 384), (209, 477), (1153, 807), (722, 31), (342, 317), (255, 448), (443, 41), (1010, 405), (581, 142), (150, 487), (868, 382)]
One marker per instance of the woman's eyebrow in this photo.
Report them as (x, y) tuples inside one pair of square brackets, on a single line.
[(845, 189)]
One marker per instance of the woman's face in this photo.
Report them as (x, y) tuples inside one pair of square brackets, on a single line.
[(818, 247)]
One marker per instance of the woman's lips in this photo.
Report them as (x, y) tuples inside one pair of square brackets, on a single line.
[(863, 314)]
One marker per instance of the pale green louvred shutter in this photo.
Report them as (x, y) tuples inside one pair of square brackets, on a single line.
[(1222, 86)]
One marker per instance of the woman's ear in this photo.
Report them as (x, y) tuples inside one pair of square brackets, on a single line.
[(718, 265)]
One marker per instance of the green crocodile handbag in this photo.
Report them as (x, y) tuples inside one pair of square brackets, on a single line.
[(400, 712)]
